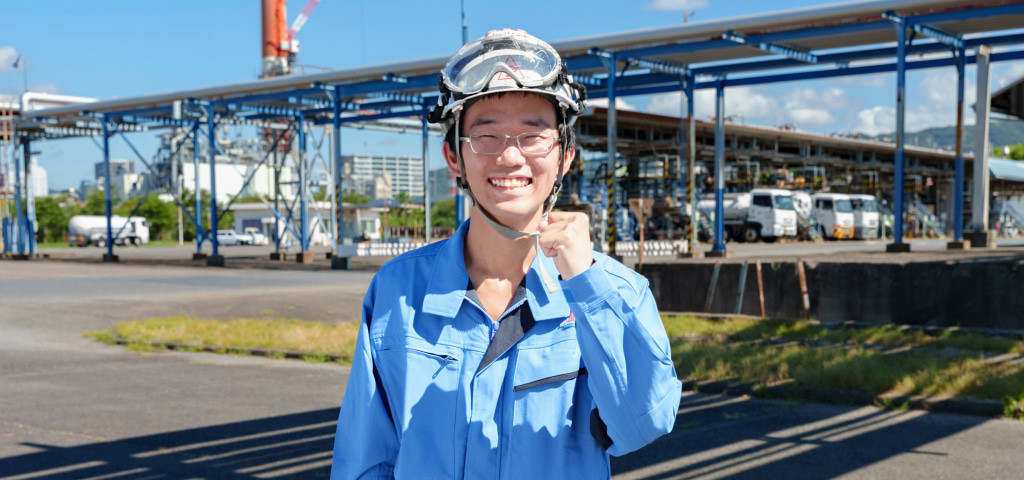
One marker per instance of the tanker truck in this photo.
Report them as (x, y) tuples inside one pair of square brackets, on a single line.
[(761, 214), (84, 230)]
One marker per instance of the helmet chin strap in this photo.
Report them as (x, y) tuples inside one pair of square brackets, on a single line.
[(507, 232)]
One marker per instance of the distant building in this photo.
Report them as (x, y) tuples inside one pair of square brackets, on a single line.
[(383, 187), (361, 173), (118, 166), (442, 184)]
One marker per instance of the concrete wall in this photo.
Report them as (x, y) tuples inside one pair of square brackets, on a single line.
[(979, 292)]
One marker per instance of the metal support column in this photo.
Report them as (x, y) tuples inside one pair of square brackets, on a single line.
[(30, 200), (901, 79), (211, 152), (719, 245), (197, 193), (691, 163), (958, 177), (339, 226), (426, 175), (106, 188), (980, 189), (612, 136), (19, 224), (300, 159)]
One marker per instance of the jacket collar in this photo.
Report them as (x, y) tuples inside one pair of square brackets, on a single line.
[(447, 288)]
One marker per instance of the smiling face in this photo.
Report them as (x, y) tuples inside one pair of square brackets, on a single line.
[(510, 185)]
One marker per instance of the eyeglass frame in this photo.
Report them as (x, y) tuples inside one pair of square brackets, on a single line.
[(504, 145)]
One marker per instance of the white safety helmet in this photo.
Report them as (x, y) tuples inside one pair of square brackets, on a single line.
[(506, 60)]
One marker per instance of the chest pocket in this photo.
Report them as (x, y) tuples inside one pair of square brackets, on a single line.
[(422, 384)]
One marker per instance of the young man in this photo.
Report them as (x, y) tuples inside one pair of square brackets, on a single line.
[(472, 361)]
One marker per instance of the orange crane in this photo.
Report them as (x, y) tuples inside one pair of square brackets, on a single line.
[(279, 44)]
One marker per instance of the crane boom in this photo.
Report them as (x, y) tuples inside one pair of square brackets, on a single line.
[(301, 19)]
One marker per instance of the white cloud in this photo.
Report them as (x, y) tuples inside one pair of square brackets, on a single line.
[(876, 81), (807, 107), (1015, 72), (875, 120), (7, 57), (47, 88), (744, 102), (675, 4), (620, 104)]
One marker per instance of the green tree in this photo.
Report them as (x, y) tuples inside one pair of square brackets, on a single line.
[(52, 219), (442, 213), (161, 216), (95, 203), (355, 198), (1016, 152), (225, 220)]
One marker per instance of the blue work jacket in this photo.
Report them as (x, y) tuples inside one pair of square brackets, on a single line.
[(567, 378)]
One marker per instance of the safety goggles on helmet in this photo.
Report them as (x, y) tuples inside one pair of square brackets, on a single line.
[(512, 55), (506, 60)]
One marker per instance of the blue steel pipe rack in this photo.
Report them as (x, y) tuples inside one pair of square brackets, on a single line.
[(795, 62)]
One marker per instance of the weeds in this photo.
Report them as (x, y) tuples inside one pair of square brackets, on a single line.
[(1013, 407), (319, 340), (773, 352)]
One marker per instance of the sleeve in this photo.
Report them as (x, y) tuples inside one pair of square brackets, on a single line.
[(626, 351), (366, 443)]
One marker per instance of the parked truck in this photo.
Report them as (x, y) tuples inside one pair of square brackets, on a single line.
[(85, 230), (833, 213), (761, 214), (865, 216)]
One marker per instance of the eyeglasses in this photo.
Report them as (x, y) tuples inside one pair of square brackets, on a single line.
[(531, 143)]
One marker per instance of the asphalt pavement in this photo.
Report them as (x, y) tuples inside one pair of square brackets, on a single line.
[(72, 408)]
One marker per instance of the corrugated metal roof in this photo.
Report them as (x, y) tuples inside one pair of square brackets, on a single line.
[(1005, 169)]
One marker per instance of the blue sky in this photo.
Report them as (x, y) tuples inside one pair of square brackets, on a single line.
[(116, 49)]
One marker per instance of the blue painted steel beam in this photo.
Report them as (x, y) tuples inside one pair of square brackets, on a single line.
[(958, 176), (130, 145), (201, 234), (968, 14), (211, 152), (106, 184), (719, 245), (19, 226), (303, 184), (658, 66), (611, 64), (363, 118), (846, 57), (412, 83), (949, 38), (777, 49), (270, 96), (140, 112), (400, 97), (336, 162), (665, 87)]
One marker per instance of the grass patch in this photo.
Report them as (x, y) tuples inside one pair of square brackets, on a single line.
[(236, 337), (766, 353)]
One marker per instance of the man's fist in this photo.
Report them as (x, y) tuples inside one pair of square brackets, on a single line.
[(565, 237)]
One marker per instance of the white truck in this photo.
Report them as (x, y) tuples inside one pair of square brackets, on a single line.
[(865, 216), (761, 214), (84, 230), (833, 213)]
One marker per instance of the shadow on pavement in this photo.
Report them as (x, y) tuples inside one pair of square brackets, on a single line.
[(715, 437), (286, 447), (740, 438)]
